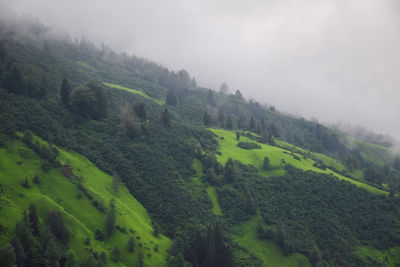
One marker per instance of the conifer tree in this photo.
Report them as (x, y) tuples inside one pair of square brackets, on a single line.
[(110, 219), (34, 220), (171, 98), (65, 92), (165, 118), (229, 123), (210, 98)]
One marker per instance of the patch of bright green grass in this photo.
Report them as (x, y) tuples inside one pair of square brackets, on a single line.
[(56, 192), (134, 91), (265, 250), (390, 257), (83, 64), (216, 209), (229, 149)]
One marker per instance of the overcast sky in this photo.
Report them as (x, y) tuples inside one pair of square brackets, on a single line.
[(337, 60)]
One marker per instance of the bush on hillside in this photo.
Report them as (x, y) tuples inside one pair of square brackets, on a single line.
[(248, 145)]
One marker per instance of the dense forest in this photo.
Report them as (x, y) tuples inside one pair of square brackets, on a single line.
[(147, 127)]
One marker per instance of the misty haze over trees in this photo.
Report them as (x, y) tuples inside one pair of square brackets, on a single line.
[(107, 158)]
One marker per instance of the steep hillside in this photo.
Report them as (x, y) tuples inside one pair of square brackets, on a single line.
[(225, 181), (85, 211), (228, 148)]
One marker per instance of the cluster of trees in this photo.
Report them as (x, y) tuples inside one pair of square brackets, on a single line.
[(317, 215), (90, 101), (36, 244), (206, 248)]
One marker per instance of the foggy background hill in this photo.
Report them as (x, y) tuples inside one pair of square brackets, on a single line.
[(334, 60)]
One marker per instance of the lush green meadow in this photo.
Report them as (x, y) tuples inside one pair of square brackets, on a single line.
[(57, 192), (266, 250), (216, 209), (134, 91), (229, 149)]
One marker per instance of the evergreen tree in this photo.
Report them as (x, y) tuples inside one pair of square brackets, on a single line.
[(252, 124), (7, 256), (274, 130), (207, 119), (224, 89), (36, 179), (103, 258), (115, 254), (156, 229), (70, 259), (210, 98), (238, 95), (140, 111), (3, 51), (315, 255), (110, 219), (140, 258), (221, 117), (116, 182), (20, 256), (34, 220), (65, 92), (171, 98), (131, 244), (128, 125), (230, 171), (229, 123), (52, 253), (14, 82), (90, 261), (266, 163), (396, 164), (165, 118), (56, 225)]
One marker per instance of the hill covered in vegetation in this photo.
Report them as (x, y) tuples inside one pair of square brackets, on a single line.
[(109, 159)]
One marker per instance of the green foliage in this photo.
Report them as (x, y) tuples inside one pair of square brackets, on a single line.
[(110, 219), (248, 145), (65, 92), (57, 226), (130, 245), (165, 118), (266, 163), (7, 256), (14, 82), (116, 254), (207, 119), (229, 171), (89, 101), (171, 98), (156, 229)]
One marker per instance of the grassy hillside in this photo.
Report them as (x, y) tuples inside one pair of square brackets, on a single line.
[(266, 250), (57, 192), (133, 91), (229, 149)]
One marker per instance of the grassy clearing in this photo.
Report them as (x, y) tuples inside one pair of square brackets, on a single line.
[(134, 91), (58, 192), (214, 199), (265, 250), (212, 193), (229, 149), (390, 257)]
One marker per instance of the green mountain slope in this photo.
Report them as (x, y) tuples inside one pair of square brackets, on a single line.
[(57, 192), (229, 149)]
